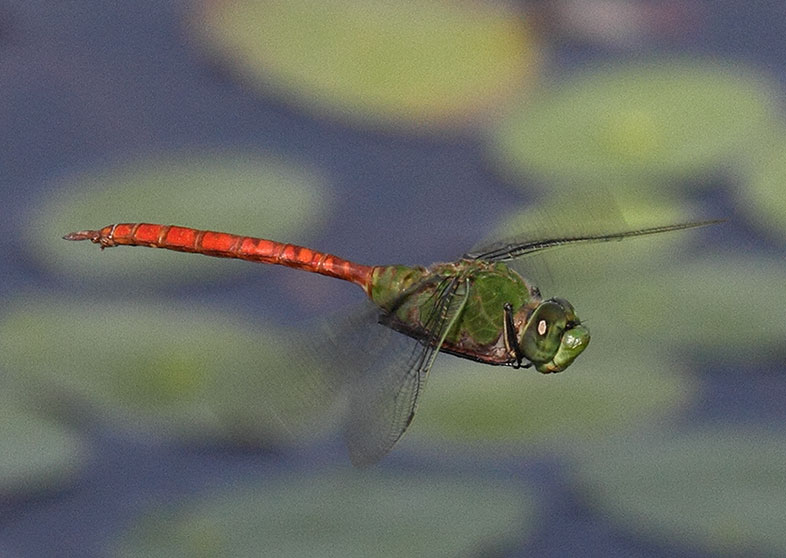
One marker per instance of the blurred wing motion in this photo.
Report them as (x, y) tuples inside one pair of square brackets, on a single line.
[(387, 377)]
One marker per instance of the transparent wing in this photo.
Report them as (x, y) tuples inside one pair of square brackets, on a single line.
[(517, 248), (532, 249), (386, 371)]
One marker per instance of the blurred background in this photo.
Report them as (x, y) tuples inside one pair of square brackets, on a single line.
[(145, 394)]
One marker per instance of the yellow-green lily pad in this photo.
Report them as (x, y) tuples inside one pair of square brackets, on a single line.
[(672, 290), (639, 127), (192, 373), (409, 63), (727, 306), (37, 453), (242, 193), (721, 490), (764, 194), (488, 410), (339, 515)]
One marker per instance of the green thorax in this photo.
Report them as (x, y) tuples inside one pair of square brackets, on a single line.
[(411, 294)]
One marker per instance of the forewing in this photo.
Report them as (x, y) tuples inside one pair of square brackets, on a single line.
[(531, 249), (518, 248)]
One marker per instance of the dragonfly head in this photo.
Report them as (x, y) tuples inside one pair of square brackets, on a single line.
[(553, 336)]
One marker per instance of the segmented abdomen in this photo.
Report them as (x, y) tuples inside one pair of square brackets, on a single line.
[(225, 245)]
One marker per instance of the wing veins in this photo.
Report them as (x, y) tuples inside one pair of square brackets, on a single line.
[(406, 389), (422, 359), (510, 251)]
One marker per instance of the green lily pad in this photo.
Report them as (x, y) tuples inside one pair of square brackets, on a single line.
[(666, 290), (639, 127), (195, 374), (339, 515), (232, 192), (730, 306), (723, 490), (36, 453), (410, 63), (610, 388), (764, 195)]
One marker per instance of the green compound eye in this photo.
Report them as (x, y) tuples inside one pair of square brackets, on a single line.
[(553, 337)]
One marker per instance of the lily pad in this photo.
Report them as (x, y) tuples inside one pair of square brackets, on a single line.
[(764, 195), (408, 63), (36, 453), (232, 192), (722, 490), (639, 127), (728, 306), (340, 514), (196, 373), (610, 388), (666, 290)]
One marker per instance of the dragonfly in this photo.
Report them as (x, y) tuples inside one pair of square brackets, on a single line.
[(478, 307)]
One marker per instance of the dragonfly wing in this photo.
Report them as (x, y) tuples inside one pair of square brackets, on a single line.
[(381, 407), (383, 399), (518, 248)]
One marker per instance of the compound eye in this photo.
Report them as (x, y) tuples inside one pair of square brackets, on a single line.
[(543, 332)]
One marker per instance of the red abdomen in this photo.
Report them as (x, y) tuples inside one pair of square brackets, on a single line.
[(225, 245)]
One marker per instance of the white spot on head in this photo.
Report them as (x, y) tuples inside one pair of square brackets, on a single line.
[(542, 327)]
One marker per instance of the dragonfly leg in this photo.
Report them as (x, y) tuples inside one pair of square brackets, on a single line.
[(510, 337)]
